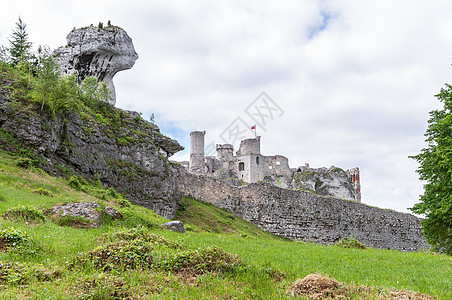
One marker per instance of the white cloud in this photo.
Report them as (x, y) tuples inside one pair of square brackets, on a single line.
[(355, 79)]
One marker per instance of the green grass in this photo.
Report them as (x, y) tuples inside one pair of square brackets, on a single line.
[(147, 262)]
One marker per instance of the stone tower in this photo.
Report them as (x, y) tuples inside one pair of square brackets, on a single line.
[(197, 159), (250, 146)]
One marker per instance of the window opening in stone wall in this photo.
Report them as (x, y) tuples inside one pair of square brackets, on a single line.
[(241, 166), (231, 165), (270, 167), (257, 160), (278, 163)]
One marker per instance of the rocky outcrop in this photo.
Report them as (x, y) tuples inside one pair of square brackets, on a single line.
[(302, 215), (119, 149), (98, 52), (326, 182), (83, 214)]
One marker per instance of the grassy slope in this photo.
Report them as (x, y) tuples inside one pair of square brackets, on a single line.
[(420, 271), (262, 253)]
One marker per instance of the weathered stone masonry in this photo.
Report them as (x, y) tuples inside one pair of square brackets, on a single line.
[(304, 216)]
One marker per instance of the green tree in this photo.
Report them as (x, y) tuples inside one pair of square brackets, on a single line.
[(436, 171), (89, 89), (46, 82), (20, 46)]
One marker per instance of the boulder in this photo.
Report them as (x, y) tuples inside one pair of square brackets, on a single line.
[(98, 52), (176, 226), (83, 214)]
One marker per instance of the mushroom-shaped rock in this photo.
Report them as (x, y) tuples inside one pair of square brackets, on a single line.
[(98, 52)]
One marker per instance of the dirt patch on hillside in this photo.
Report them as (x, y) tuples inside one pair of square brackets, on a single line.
[(316, 286)]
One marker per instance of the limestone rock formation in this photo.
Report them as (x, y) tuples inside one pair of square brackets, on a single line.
[(92, 51), (326, 182), (127, 153)]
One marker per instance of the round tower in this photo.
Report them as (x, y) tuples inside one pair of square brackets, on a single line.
[(250, 146), (197, 164)]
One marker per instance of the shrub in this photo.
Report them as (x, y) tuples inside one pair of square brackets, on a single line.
[(25, 212), (24, 162), (137, 249), (76, 182), (204, 260), (141, 233), (11, 237), (350, 242), (44, 192), (122, 255)]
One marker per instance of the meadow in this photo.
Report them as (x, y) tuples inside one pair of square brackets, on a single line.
[(219, 257)]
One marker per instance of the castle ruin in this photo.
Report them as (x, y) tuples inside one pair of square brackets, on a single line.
[(248, 165)]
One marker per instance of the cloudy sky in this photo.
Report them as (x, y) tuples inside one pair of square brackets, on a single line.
[(347, 83)]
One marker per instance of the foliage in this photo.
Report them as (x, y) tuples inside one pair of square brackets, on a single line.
[(45, 84), (13, 237), (24, 162), (25, 212), (350, 242), (76, 182), (25, 273), (20, 46), (43, 192), (436, 171)]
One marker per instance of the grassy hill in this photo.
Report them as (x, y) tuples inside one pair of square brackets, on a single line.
[(219, 257)]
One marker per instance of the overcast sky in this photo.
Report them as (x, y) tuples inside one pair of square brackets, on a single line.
[(347, 83)]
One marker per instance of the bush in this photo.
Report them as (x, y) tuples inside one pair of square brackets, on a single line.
[(204, 260), (44, 192), (24, 162), (350, 242), (76, 182), (11, 237), (25, 212)]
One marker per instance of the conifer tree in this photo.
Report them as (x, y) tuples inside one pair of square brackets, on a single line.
[(20, 46)]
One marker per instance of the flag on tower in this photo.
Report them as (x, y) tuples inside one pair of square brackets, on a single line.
[(253, 127)]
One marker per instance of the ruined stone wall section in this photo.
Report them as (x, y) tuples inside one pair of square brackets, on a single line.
[(354, 177), (304, 216)]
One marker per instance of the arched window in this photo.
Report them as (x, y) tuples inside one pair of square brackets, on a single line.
[(231, 165), (257, 160), (241, 166)]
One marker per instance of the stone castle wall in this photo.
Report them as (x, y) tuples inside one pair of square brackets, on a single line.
[(304, 216)]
